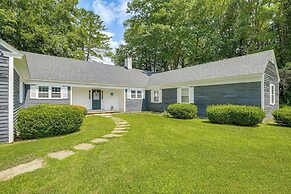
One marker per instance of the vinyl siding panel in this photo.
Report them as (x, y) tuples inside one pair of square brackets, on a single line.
[(169, 96), (31, 102), (4, 84), (238, 93), (136, 105), (270, 77)]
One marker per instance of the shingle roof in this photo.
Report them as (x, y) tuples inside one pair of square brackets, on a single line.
[(51, 68), (237, 66)]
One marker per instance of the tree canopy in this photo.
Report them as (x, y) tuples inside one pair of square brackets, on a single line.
[(55, 27), (168, 34)]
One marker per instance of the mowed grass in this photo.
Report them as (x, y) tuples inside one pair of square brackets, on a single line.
[(162, 155)]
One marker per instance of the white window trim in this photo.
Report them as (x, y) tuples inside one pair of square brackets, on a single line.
[(272, 96), (50, 93), (160, 96), (135, 91), (188, 95)]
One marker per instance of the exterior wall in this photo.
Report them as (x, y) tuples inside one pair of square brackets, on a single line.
[(30, 102), (17, 105), (270, 77), (4, 85), (81, 97), (238, 93), (169, 96), (136, 105)]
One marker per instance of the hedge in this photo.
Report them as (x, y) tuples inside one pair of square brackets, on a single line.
[(182, 111), (235, 114), (283, 116), (82, 108), (48, 120)]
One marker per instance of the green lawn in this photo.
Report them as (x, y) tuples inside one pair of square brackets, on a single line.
[(158, 155)]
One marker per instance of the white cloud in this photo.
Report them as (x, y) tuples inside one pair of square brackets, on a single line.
[(110, 12), (104, 10)]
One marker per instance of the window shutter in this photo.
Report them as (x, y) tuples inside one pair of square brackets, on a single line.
[(143, 94), (191, 94), (64, 92), (178, 95), (128, 92), (160, 95), (152, 95), (33, 91)]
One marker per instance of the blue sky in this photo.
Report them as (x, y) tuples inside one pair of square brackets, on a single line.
[(113, 13)]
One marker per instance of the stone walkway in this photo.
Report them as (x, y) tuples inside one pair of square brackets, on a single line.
[(121, 128)]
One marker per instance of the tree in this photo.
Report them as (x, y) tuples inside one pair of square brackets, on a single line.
[(54, 27), (92, 41)]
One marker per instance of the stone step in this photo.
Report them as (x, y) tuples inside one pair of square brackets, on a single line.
[(99, 140), (112, 135), (117, 132), (21, 169), (61, 154), (84, 146)]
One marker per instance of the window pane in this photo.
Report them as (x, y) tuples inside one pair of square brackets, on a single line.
[(43, 95), (55, 89), (185, 91), (139, 94), (185, 99), (156, 96), (133, 93), (43, 88), (56, 95)]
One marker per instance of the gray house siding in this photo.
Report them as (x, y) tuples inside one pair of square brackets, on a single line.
[(30, 102), (238, 93), (169, 96), (270, 77), (136, 105), (4, 85), (16, 97)]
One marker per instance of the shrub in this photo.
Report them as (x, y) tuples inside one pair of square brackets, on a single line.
[(283, 116), (82, 108), (182, 111), (48, 120), (235, 114)]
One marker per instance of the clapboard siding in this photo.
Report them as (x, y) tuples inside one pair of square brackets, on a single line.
[(4, 84), (136, 105), (238, 93), (16, 96), (169, 96), (270, 77), (31, 102)]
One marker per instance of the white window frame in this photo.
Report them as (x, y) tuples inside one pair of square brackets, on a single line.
[(156, 98), (188, 88), (135, 92), (51, 92), (272, 94), (39, 92)]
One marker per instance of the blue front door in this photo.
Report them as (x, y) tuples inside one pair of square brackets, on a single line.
[(96, 99)]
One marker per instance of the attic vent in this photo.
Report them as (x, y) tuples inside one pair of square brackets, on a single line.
[(128, 63)]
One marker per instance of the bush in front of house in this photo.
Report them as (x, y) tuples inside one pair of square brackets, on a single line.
[(283, 116), (82, 108), (235, 114), (182, 111), (48, 120)]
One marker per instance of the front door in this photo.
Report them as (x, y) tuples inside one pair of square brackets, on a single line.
[(96, 99)]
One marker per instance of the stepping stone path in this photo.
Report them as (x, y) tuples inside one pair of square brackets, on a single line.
[(119, 131), (99, 140), (61, 154), (111, 135), (21, 169), (84, 146)]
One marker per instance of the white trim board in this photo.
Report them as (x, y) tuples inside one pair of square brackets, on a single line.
[(11, 101)]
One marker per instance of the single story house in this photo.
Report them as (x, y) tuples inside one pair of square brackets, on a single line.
[(28, 79)]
